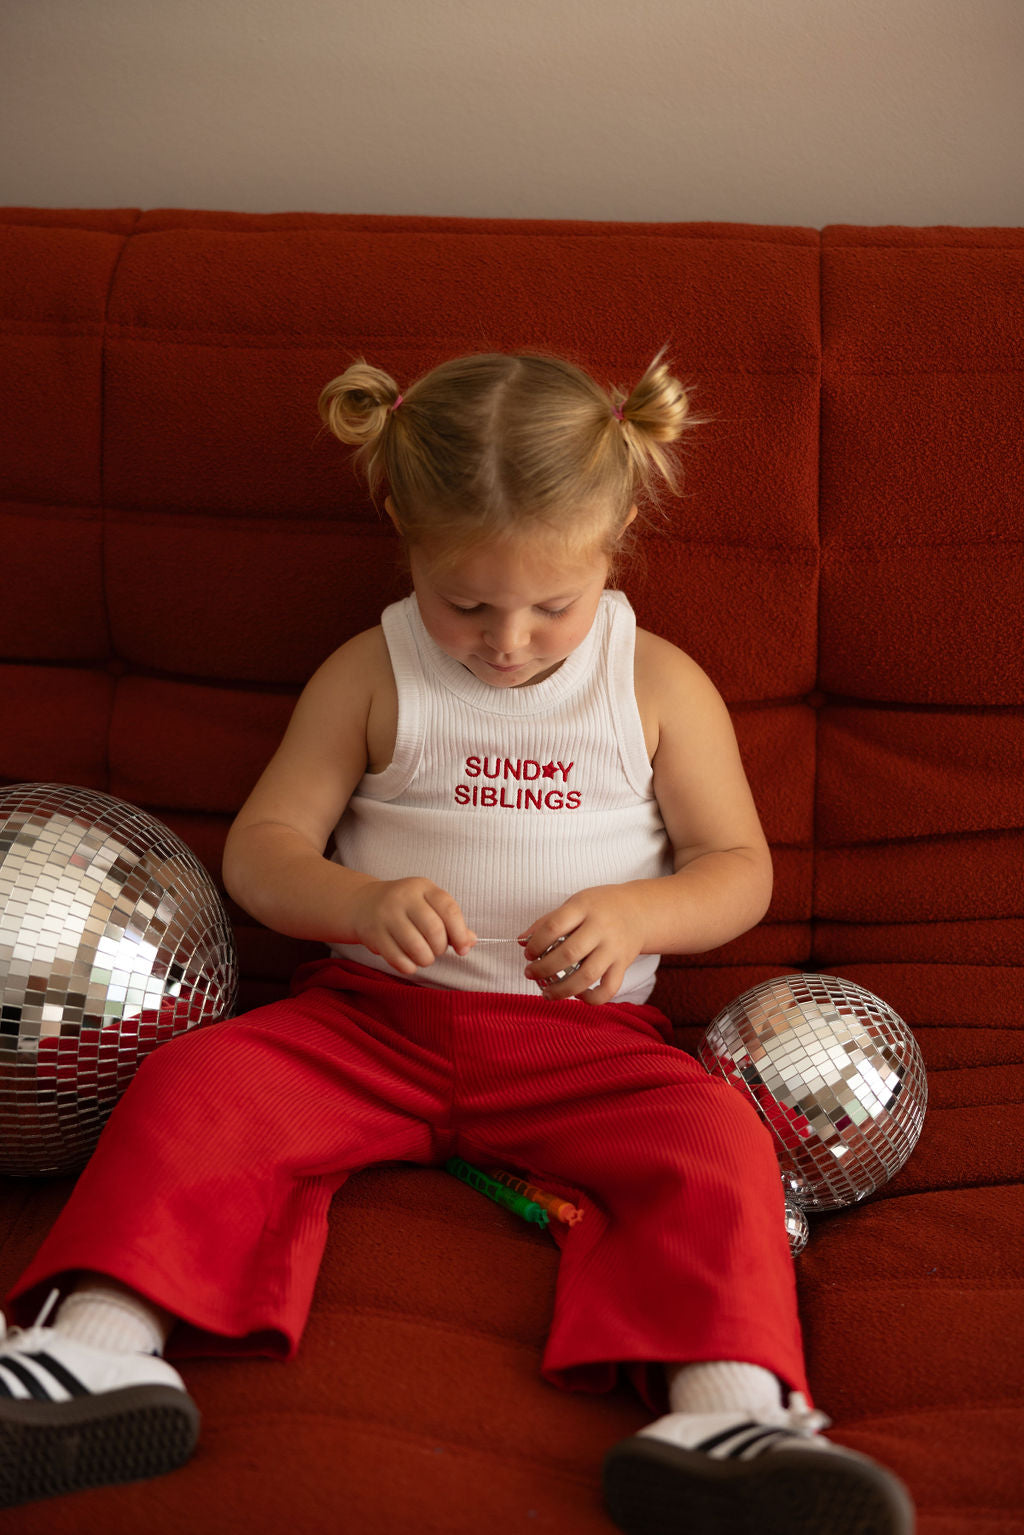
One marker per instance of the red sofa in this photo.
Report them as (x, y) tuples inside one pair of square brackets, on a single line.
[(181, 547)]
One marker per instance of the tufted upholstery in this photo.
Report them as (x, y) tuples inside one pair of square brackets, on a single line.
[(182, 545)]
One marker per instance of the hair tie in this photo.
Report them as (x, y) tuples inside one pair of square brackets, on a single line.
[(618, 413), (397, 403)]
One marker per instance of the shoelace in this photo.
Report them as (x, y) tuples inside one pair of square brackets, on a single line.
[(9, 1334)]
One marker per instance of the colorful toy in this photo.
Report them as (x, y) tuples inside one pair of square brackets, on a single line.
[(561, 1209), (528, 1209)]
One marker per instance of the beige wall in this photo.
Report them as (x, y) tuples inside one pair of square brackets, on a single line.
[(772, 111)]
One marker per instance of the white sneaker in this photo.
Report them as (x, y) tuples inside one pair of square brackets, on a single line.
[(72, 1416), (728, 1473)]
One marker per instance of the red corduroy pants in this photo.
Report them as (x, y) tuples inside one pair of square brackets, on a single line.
[(209, 1189)]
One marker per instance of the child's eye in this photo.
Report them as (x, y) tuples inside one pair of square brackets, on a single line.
[(478, 607)]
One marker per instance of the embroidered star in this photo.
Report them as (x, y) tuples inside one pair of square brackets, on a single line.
[(548, 770)]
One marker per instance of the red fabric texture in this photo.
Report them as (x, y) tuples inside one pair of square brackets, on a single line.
[(183, 544), (219, 1213)]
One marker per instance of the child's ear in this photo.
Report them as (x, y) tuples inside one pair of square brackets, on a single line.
[(630, 515), (389, 507)]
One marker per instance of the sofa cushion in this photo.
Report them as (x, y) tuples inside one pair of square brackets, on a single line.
[(183, 544)]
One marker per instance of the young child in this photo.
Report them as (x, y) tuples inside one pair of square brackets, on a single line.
[(528, 801)]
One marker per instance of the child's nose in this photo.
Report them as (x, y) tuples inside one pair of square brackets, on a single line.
[(507, 635)]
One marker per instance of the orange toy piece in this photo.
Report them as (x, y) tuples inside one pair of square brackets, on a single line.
[(561, 1209)]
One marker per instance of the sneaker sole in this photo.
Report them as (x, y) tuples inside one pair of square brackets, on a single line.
[(654, 1488), (51, 1448)]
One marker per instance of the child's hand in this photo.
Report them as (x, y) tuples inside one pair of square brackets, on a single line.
[(602, 938), (409, 922)]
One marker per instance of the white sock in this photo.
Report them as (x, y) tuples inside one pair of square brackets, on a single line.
[(107, 1316), (723, 1386)]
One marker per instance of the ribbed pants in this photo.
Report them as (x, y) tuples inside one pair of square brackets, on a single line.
[(209, 1189)]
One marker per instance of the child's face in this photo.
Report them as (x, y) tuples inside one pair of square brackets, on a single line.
[(509, 613)]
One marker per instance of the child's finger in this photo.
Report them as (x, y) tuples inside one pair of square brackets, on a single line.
[(457, 932), (557, 964), (395, 956), (611, 985), (411, 947), (417, 933), (586, 985), (463, 940), (461, 937), (548, 930), (597, 977)]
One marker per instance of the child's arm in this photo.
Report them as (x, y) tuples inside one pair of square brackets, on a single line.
[(274, 863), (723, 875)]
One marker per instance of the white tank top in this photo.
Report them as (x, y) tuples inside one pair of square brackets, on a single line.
[(511, 799)]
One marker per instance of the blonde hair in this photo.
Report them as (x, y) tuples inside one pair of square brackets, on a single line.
[(489, 445)]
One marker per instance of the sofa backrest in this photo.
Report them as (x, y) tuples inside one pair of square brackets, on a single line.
[(182, 543)]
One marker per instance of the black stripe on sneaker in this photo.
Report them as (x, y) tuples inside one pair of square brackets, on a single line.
[(707, 1445), (34, 1387), (756, 1444), (742, 1440), (5, 1389), (72, 1385)]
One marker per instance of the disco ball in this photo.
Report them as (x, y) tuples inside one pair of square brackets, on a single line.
[(113, 939), (797, 1229), (837, 1077)]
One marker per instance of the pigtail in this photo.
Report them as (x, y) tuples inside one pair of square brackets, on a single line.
[(656, 414), (494, 442), (358, 407)]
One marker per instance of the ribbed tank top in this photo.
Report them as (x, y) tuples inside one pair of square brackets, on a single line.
[(511, 799)]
